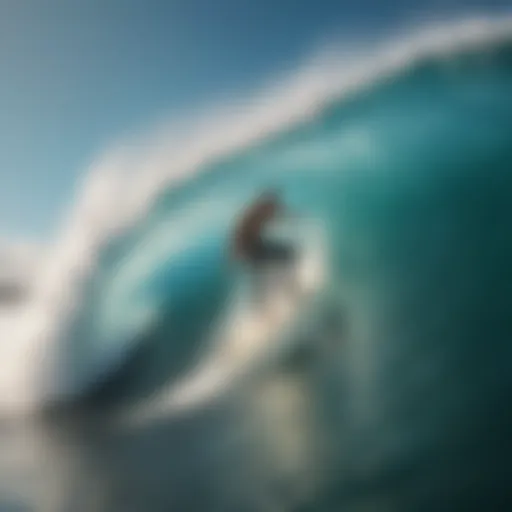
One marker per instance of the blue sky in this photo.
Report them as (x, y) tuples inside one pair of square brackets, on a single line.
[(76, 75)]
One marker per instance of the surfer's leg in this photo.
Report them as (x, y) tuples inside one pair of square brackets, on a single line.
[(262, 260), (273, 254)]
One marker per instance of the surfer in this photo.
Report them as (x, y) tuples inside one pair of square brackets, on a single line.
[(249, 246)]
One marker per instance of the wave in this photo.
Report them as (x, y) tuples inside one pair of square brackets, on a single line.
[(62, 339)]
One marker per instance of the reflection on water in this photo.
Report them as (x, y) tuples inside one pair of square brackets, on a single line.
[(257, 449)]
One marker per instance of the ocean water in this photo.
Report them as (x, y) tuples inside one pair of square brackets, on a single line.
[(397, 397)]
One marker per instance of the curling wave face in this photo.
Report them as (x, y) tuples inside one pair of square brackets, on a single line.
[(363, 144)]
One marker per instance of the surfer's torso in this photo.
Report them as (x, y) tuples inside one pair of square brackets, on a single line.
[(248, 232)]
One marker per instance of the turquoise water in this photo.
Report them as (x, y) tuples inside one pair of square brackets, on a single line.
[(412, 179), (405, 175)]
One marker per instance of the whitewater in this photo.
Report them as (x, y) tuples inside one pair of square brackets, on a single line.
[(399, 152)]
